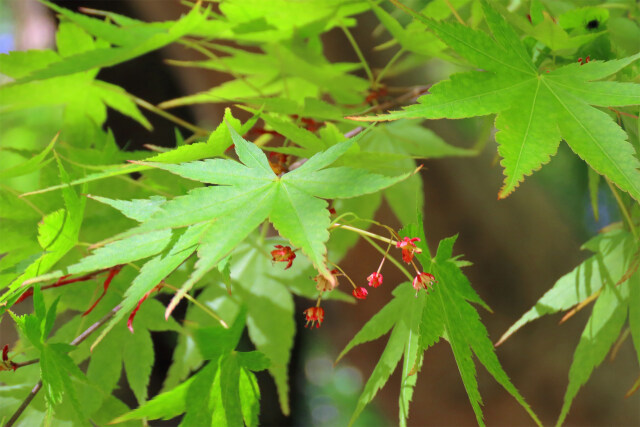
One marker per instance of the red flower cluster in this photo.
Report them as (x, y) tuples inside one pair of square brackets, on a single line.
[(283, 254), (408, 248), (313, 315)]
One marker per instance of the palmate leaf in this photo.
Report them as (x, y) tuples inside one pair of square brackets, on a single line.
[(419, 320), (535, 109), (252, 187), (223, 392), (213, 220)]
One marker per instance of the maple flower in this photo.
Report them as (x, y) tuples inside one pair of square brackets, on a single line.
[(283, 254), (408, 248), (423, 281), (375, 279), (313, 315), (360, 293), (324, 284)]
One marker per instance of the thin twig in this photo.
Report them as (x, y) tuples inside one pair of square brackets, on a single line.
[(24, 404), (83, 336)]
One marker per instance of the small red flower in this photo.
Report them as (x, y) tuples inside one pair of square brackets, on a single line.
[(408, 248), (423, 281), (313, 315), (375, 279), (283, 254), (360, 293)]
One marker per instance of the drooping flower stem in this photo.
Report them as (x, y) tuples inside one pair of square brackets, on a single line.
[(363, 233), (393, 260), (344, 274)]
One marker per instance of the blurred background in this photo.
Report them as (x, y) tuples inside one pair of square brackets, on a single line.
[(519, 247)]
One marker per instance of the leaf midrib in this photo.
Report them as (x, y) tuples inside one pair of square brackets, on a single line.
[(526, 134)]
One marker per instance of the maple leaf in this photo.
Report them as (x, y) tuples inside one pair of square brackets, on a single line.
[(417, 322), (535, 108), (226, 383), (214, 220)]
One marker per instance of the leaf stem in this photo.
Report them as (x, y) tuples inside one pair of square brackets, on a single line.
[(455, 12), (356, 48), (177, 120), (393, 260), (623, 209), (199, 305), (387, 67), (364, 233)]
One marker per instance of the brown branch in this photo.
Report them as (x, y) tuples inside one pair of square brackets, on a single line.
[(83, 336)]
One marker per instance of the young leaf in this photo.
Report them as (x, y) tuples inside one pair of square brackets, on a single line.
[(535, 109)]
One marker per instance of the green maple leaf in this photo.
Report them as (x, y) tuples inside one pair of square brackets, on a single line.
[(535, 109), (418, 320), (214, 220), (609, 276), (223, 392), (247, 194)]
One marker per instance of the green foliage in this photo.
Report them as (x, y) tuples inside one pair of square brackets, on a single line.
[(212, 228), (536, 108)]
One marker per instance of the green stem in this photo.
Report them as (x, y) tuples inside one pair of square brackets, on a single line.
[(200, 306), (355, 46), (363, 233), (623, 209), (169, 116), (393, 260), (387, 67)]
